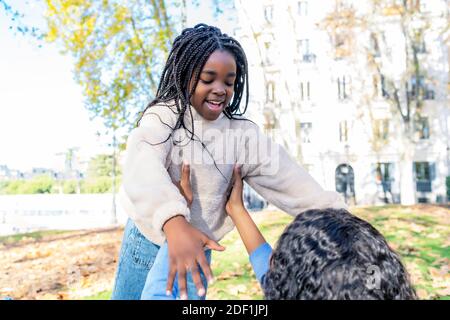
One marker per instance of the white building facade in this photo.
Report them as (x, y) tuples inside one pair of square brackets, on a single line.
[(333, 115)]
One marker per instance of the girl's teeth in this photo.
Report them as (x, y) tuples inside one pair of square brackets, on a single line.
[(214, 105)]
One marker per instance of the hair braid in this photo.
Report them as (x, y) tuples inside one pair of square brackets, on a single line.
[(190, 51)]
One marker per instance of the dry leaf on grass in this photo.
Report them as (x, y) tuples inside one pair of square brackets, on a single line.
[(236, 289)]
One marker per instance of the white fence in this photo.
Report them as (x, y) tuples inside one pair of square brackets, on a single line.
[(27, 213)]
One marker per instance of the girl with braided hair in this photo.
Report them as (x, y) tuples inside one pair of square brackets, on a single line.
[(196, 122)]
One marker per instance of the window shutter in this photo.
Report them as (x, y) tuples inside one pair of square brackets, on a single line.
[(432, 171)]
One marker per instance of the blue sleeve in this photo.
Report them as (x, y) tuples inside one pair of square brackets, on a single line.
[(155, 284), (259, 259)]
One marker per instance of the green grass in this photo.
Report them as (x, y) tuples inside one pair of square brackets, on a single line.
[(419, 234), (104, 295), (37, 235)]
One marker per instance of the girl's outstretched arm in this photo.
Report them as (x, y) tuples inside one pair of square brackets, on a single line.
[(277, 177)]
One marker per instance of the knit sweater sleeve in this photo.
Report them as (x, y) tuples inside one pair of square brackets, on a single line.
[(148, 194), (278, 178)]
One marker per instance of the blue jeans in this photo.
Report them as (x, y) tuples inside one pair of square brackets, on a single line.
[(143, 268)]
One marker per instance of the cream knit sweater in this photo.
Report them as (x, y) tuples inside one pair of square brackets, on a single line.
[(150, 198)]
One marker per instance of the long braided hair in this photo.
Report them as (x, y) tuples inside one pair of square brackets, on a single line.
[(189, 53)]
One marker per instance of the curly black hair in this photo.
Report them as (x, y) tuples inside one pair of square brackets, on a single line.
[(331, 254)]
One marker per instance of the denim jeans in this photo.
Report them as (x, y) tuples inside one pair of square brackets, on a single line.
[(143, 264)]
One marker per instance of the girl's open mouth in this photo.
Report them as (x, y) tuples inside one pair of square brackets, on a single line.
[(214, 105)]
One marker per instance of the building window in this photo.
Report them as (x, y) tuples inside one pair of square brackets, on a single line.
[(423, 7), (381, 129), (305, 132), (268, 47), (385, 179), (343, 87), (268, 13), (375, 48), (303, 47), (384, 90), (343, 131), (270, 92), (302, 7), (345, 181), (305, 91), (384, 175), (414, 87), (304, 52), (418, 89), (424, 174), (422, 128), (420, 44)]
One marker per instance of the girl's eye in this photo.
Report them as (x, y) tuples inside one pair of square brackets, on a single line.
[(211, 81)]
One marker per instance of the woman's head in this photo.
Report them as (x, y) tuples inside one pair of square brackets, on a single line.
[(332, 254), (205, 68)]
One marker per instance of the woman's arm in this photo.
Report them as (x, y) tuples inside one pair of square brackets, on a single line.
[(258, 249), (249, 232)]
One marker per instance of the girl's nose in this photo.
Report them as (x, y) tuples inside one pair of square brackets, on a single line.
[(220, 90)]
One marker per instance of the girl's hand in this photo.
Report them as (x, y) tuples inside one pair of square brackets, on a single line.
[(235, 202), (186, 246)]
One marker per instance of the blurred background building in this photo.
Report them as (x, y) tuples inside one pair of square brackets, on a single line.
[(357, 91)]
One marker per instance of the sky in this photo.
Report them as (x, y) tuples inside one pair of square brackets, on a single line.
[(41, 106)]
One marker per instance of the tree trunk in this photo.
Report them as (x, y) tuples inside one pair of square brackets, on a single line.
[(407, 185)]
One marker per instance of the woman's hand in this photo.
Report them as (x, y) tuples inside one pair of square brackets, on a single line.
[(235, 203), (184, 185), (186, 246)]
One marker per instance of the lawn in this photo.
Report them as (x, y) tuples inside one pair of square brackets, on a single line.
[(420, 234), (28, 237)]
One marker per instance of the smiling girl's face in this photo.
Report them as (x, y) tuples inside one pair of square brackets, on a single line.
[(215, 87)]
